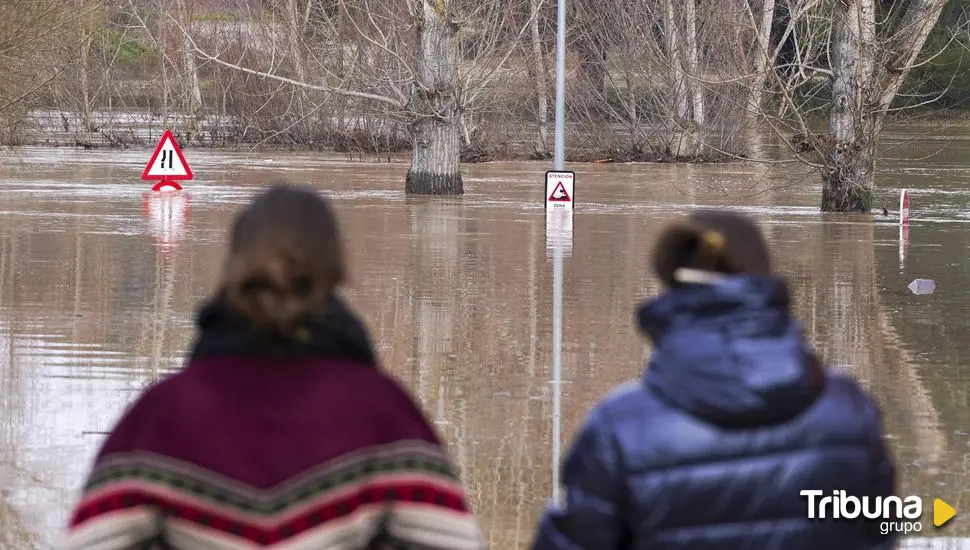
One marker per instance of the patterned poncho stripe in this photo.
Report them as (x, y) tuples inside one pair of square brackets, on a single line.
[(408, 491)]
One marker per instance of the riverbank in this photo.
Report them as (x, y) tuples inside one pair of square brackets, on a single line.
[(376, 142)]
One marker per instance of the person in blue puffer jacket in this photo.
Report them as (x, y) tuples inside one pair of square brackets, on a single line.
[(734, 417)]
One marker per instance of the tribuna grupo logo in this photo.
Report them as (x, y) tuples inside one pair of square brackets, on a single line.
[(895, 514)]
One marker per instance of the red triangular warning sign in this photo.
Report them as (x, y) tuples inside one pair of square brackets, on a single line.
[(559, 194), (167, 162)]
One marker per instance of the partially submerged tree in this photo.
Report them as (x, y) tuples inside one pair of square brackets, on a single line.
[(434, 102), (872, 50), (648, 79), (868, 69), (355, 53)]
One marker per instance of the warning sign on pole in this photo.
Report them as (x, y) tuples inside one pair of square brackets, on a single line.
[(559, 189), (167, 164)]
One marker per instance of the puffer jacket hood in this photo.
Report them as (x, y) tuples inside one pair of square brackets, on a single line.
[(729, 352)]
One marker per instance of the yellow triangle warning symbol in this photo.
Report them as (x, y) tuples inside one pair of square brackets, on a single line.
[(942, 512)]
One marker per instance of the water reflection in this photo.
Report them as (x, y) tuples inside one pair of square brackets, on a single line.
[(852, 329), (166, 213), (458, 295), (903, 242)]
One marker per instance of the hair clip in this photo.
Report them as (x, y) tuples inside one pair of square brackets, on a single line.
[(303, 335), (712, 242)]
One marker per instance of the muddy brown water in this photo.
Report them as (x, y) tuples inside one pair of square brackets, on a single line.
[(98, 289)]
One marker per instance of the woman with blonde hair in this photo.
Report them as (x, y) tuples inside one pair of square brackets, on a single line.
[(281, 431)]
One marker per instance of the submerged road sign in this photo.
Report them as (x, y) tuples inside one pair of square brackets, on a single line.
[(560, 186), (167, 165)]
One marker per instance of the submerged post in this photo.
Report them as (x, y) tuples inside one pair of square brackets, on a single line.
[(903, 227), (561, 201)]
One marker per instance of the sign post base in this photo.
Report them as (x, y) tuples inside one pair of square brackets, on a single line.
[(172, 184)]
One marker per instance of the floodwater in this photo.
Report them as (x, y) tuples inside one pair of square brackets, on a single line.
[(98, 287)]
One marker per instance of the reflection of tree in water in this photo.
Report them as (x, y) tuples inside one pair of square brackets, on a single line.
[(465, 305), (14, 409), (14, 532), (838, 300), (161, 309), (934, 329), (490, 278), (87, 308)]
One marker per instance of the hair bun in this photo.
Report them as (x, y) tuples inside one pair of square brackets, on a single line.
[(715, 241)]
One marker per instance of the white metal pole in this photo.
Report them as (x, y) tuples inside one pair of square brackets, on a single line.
[(557, 267), (559, 156)]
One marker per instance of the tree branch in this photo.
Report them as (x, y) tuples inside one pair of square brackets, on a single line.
[(336, 91)]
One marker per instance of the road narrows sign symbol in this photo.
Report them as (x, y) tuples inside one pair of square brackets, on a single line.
[(167, 162)]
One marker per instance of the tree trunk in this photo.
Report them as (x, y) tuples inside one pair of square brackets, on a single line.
[(86, 118), (294, 32), (693, 84), (678, 93), (165, 83), (755, 92), (435, 168), (193, 87), (905, 45), (848, 158), (541, 75), (863, 89), (763, 19)]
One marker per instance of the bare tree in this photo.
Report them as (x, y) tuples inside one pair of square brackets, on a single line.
[(466, 80), (873, 49), (674, 80), (192, 87), (541, 75), (434, 100), (425, 90), (761, 20), (35, 38)]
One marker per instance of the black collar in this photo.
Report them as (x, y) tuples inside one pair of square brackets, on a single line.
[(334, 333)]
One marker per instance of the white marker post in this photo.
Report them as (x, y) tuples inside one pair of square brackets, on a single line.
[(903, 227), (559, 234), (167, 165)]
